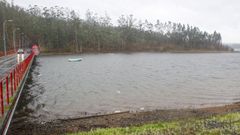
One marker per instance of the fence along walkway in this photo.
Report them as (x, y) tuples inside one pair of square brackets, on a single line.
[(9, 90)]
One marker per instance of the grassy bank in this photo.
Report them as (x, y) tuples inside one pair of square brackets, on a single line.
[(214, 125)]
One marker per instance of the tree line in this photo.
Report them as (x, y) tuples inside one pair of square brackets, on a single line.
[(58, 29)]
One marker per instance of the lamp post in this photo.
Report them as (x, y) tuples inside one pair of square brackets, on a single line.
[(14, 38), (22, 38), (4, 36)]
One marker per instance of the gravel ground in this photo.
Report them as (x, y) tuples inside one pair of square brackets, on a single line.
[(123, 119)]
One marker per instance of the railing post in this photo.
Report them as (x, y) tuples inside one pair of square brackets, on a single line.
[(19, 71), (7, 90), (11, 83), (18, 74), (14, 77), (1, 98), (20, 77)]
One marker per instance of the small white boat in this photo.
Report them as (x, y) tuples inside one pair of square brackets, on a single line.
[(75, 59), (236, 50)]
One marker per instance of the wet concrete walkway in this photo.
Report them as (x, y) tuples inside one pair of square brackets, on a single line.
[(7, 63)]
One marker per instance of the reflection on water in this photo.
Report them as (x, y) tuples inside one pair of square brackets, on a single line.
[(104, 83)]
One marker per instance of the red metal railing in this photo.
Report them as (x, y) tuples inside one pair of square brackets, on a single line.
[(10, 83)]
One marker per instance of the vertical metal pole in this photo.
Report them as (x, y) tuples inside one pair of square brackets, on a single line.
[(1, 98), (14, 39), (17, 70), (22, 45), (4, 38), (23, 41), (19, 41), (7, 90), (18, 73), (14, 78), (11, 83)]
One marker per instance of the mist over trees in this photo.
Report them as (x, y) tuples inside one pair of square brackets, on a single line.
[(60, 29)]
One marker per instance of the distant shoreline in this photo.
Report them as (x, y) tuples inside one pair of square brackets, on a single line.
[(184, 51)]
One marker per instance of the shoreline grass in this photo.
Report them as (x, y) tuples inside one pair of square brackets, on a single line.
[(214, 125)]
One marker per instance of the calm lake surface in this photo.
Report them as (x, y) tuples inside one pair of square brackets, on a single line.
[(106, 83)]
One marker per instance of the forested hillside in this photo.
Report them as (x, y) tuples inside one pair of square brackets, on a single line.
[(59, 29)]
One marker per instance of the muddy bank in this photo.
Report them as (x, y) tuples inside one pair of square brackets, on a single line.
[(123, 119)]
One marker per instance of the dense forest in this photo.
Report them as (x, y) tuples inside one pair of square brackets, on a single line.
[(58, 29)]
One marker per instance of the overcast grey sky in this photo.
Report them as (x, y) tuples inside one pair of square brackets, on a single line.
[(208, 15)]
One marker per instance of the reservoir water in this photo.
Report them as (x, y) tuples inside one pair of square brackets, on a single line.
[(113, 82)]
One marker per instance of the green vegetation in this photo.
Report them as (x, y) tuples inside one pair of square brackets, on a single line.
[(59, 29), (227, 124)]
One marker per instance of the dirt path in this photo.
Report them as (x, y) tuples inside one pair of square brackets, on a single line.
[(116, 120)]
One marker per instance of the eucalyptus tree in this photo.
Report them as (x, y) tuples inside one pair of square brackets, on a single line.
[(61, 29)]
